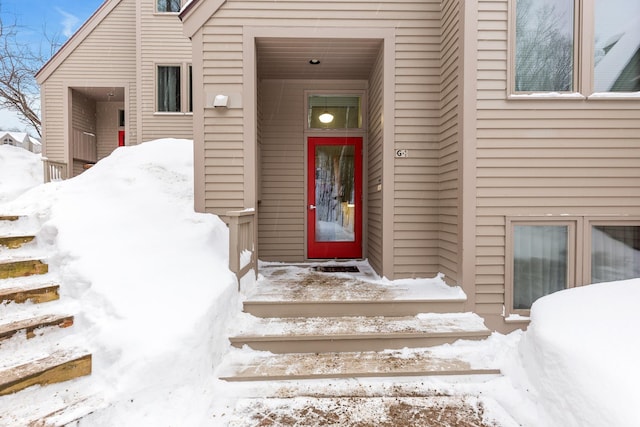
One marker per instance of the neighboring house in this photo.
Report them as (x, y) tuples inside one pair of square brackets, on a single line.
[(426, 136), (122, 79), (22, 140)]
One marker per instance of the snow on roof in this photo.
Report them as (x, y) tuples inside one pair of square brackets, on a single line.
[(16, 136)]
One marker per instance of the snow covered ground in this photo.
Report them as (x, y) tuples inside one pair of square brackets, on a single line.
[(147, 280)]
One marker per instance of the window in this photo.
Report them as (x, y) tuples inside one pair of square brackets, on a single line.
[(615, 252), (544, 56), (334, 112), (546, 255), (575, 46), (168, 88), (541, 258), (167, 6), (617, 46), (190, 89)]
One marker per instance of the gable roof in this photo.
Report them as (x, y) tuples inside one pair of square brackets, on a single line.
[(75, 40), (16, 136), (195, 13)]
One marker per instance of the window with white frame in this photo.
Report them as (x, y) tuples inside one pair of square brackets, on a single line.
[(584, 46), (168, 6), (547, 255)]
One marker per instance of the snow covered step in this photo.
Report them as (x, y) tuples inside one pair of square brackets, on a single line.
[(299, 291), (14, 242), (21, 268), (9, 218), (264, 366), (338, 334), (62, 365), (35, 292), (30, 325)]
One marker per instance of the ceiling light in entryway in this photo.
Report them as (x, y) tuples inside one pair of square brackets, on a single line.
[(314, 61)]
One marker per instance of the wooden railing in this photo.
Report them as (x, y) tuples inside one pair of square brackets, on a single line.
[(54, 171), (242, 246)]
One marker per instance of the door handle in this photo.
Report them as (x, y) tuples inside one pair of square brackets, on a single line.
[(312, 207)]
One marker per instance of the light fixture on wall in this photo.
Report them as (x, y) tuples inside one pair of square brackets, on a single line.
[(221, 101)]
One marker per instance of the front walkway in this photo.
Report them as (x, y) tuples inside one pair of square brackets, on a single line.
[(394, 369)]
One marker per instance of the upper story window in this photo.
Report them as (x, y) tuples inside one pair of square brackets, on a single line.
[(581, 46), (168, 6), (544, 54)]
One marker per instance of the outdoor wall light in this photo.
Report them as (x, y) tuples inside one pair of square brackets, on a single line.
[(325, 117), (221, 101)]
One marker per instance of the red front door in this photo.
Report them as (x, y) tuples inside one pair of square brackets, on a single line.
[(334, 193)]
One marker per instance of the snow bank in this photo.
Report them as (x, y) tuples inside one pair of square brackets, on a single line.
[(149, 277), (20, 170), (581, 353)]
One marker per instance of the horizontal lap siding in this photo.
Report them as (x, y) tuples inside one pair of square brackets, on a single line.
[(281, 226), (449, 140), (162, 43), (375, 162), (543, 157), (417, 88), (417, 178), (106, 55)]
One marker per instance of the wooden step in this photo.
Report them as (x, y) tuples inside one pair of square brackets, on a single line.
[(30, 325), (22, 268), (14, 242), (60, 366), (330, 308), (339, 334), (299, 366), (9, 217), (36, 293)]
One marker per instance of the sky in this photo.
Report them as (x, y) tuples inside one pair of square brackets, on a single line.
[(55, 18)]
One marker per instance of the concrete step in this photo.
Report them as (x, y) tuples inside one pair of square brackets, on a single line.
[(62, 365), (263, 366), (22, 268), (30, 325), (36, 293), (340, 334), (14, 242)]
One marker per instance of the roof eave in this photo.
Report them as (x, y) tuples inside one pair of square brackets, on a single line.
[(196, 13)]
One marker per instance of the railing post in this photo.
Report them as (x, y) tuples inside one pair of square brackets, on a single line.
[(242, 243)]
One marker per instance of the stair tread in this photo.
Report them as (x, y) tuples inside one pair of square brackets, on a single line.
[(58, 366), (15, 241), (299, 284), (423, 324), (7, 330), (37, 291), (256, 366)]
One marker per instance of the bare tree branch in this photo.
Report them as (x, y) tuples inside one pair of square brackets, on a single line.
[(19, 63)]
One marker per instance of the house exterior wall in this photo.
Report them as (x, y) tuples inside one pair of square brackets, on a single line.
[(161, 43), (449, 137), (375, 165), (107, 56), (414, 189), (107, 127), (545, 157)]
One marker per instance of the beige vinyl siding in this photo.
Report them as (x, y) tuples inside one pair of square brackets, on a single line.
[(162, 43), (282, 206), (83, 113), (107, 56), (374, 240), (543, 157), (107, 127), (417, 87), (223, 132), (449, 141)]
